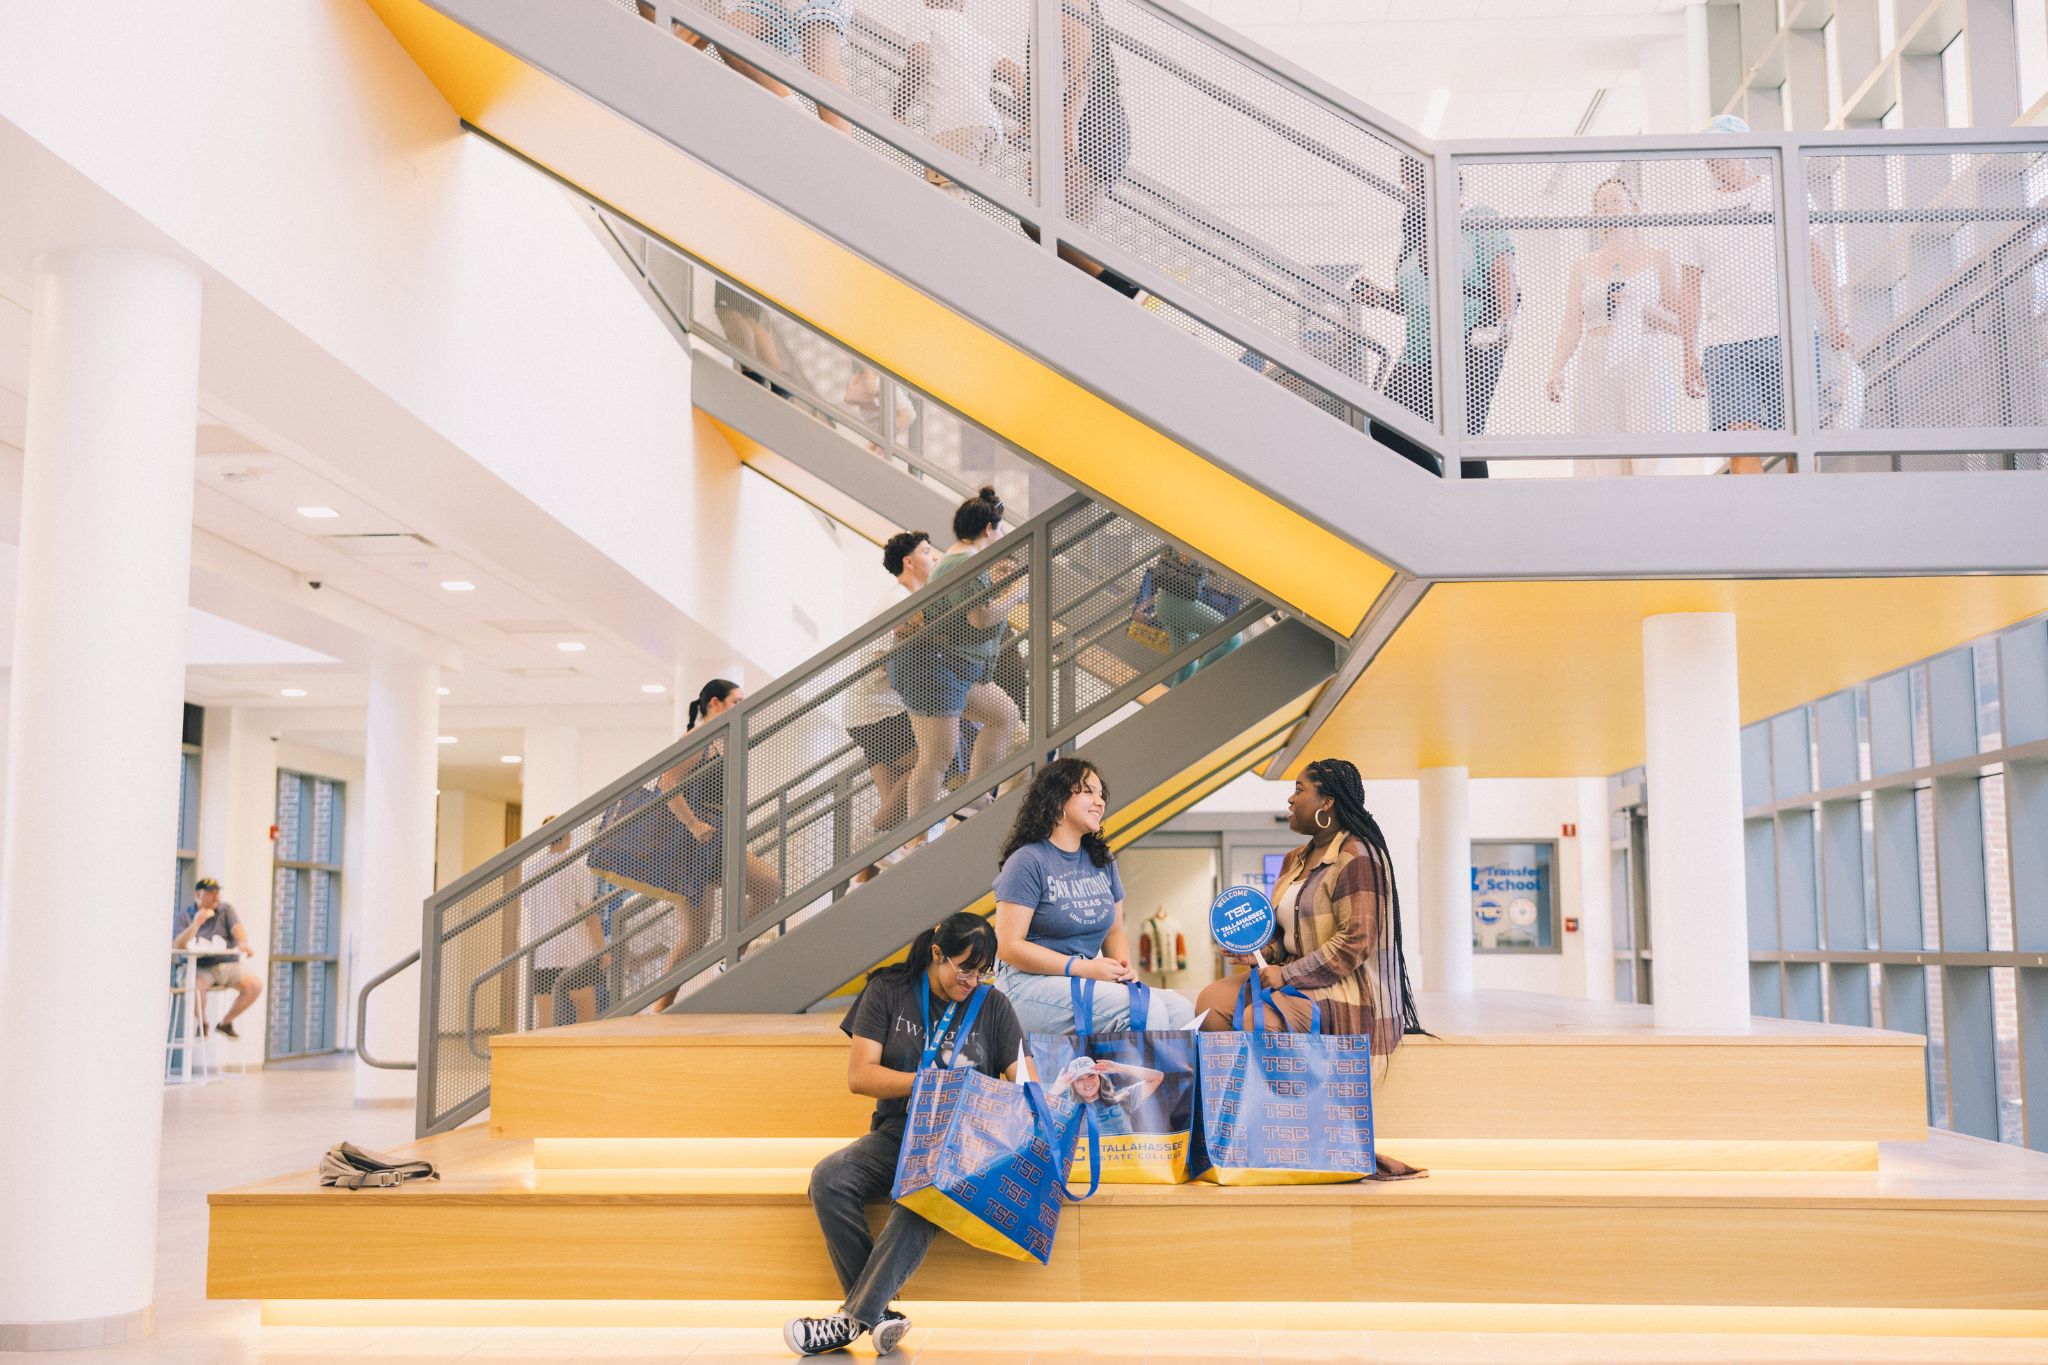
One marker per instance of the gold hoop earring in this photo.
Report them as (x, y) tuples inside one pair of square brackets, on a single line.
[(1322, 819)]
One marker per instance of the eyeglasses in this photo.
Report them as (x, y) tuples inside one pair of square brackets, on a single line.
[(968, 973)]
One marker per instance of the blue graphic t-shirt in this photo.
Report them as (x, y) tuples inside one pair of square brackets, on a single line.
[(1073, 902)]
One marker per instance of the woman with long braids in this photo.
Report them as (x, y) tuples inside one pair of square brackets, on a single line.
[(696, 797), (1060, 910), (1339, 933)]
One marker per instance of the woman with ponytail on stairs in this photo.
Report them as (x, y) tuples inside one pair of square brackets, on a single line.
[(1338, 937), (696, 797), (930, 994)]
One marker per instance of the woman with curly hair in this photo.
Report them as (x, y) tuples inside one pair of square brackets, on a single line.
[(1060, 910)]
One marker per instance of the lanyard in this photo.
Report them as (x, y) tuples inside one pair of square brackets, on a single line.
[(931, 1041)]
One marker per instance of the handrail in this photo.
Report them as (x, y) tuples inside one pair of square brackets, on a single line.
[(1244, 294), (816, 804), (363, 1053), (1248, 333)]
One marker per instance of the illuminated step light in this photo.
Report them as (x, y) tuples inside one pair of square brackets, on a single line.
[(509, 758), (458, 585), (318, 513), (653, 689), (570, 646), (444, 739), (291, 691)]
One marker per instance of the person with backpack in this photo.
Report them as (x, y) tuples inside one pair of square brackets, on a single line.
[(929, 996)]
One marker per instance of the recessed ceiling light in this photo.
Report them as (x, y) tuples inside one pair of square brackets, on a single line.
[(318, 513), (444, 739), (570, 646), (440, 691), (458, 585), (291, 691), (508, 758), (653, 689)]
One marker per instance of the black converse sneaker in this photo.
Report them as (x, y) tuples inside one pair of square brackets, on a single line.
[(816, 1336), (890, 1331)]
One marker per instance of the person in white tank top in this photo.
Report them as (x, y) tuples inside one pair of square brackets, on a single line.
[(1618, 298)]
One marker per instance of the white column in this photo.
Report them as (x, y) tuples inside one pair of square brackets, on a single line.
[(92, 763), (1665, 70), (550, 780), (1596, 890), (237, 805), (399, 761), (1446, 878), (1692, 762)]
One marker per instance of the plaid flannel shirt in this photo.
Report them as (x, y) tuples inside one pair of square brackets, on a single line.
[(1333, 952)]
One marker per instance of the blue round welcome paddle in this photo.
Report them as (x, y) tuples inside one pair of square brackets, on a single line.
[(1241, 921)]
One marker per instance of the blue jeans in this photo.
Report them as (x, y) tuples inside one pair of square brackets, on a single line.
[(1044, 1004)]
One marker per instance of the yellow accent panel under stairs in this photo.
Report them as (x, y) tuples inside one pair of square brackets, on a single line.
[(1098, 444), (1546, 679)]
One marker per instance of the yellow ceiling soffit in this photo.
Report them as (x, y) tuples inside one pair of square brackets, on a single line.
[(1098, 444), (1134, 820), (1546, 679)]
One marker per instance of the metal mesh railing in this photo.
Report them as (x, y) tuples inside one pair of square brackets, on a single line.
[(1293, 230), (831, 384), (913, 720), (1158, 111), (1644, 293), (1930, 314)]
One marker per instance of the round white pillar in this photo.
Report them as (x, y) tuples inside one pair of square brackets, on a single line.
[(399, 763), (92, 766), (1446, 879), (549, 781), (1692, 769)]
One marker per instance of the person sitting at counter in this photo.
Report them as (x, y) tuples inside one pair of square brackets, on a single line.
[(1060, 910)]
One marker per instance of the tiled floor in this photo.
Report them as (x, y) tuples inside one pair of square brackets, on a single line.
[(246, 1126)]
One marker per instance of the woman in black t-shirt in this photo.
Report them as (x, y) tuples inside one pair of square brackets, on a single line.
[(925, 995)]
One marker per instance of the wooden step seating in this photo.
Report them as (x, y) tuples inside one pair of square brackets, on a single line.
[(1510, 1079), (1789, 1170)]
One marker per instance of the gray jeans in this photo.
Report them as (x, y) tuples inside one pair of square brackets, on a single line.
[(871, 1271)]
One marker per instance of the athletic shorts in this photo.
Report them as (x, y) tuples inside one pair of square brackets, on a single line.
[(1745, 383), (782, 24), (889, 740), (221, 974), (581, 977)]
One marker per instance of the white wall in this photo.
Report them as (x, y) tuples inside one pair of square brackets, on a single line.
[(333, 186), (298, 152), (469, 828)]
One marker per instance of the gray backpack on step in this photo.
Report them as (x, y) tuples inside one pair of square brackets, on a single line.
[(348, 1167)]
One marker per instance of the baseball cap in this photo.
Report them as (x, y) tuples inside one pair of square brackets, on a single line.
[(206, 884), (1727, 123)]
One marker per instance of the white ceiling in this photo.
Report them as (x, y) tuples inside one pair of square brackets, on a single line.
[(1514, 68), (366, 558)]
